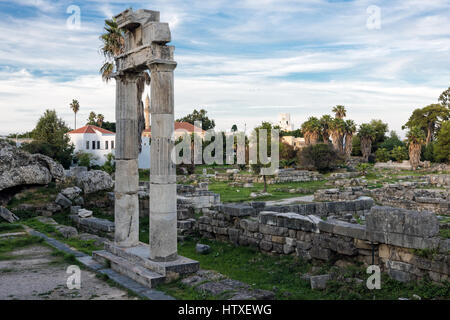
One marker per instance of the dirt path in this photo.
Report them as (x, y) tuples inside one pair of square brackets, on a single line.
[(36, 273)]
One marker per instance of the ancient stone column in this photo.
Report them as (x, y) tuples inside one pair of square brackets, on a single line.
[(126, 209), (163, 188)]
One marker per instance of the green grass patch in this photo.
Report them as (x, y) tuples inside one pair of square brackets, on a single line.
[(10, 227), (231, 194), (282, 274), (9, 245)]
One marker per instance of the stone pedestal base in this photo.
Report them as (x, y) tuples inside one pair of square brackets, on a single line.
[(134, 262)]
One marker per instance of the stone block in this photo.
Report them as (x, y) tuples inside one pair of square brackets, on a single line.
[(319, 282), (126, 176), (238, 210), (202, 248), (343, 228), (273, 230), (265, 245), (268, 217), (63, 201)]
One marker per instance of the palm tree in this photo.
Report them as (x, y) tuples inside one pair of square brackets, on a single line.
[(416, 138), (339, 111), (100, 119), (311, 130), (75, 106), (326, 123), (113, 45), (337, 134), (367, 135), (350, 129), (92, 119)]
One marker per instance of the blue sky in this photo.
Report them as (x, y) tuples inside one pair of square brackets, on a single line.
[(244, 61)]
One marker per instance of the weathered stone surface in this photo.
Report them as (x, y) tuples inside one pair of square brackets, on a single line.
[(8, 215), (74, 209), (66, 231), (83, 213), (202, 248), (94, 180), (63, 201), (18, 167), (343, 228), (71, 193), (319, 282), (238, 210)]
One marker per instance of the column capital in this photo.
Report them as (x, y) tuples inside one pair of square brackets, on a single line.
[(159, 65)]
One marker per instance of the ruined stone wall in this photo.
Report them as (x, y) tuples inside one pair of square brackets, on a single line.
[(284, 175), (404, 243), (407, 195)]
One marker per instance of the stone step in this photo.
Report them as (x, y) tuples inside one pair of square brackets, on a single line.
[(138, 273)]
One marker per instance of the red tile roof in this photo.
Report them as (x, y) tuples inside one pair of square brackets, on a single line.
[(90, 129), (185, 126)]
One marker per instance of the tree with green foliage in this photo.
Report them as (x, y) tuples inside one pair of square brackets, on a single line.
[(92, 119), (380, 128), (84, 159), (428, 119), (326, 122), (109, 165), (339, 111), (338, 129), (111, 126), (391, 142), (321, 157), (366, 135), (297, 133), (416, 138), (207, 123), (382, 155), (399, 153), (444, 98), (311, 130), (350, 129), (50, 139), (113, 45), (442, 147), (75, 106), (100, 119)]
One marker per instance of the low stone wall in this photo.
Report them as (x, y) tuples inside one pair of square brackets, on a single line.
[(407, 195), (398, 239), (188, 196), (100, 227), (284, 175)]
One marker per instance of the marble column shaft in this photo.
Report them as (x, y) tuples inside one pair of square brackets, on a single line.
[(126, 208), (163, 188)]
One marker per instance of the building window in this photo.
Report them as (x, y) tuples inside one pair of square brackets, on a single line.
[(106, 145), (93, 145), (87, 145), (112, 144), (98, 144)]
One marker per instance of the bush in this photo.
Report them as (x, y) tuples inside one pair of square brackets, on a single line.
[(84, 159), (442, 147), (363, 168), (428, 152), (399, 154), (109, 165), (382, 155), (62, 154), (321, 157), (356, 146)]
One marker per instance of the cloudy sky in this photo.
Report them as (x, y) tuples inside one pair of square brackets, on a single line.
[(243, 61)]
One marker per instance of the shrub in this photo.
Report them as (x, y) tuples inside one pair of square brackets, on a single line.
[(399, 154), (363, 168), (428, 152), (321, 157), (84, 159), (109, 165), (382, 155), (442, 147)]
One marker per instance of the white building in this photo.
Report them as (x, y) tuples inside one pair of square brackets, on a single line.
[(284, 121), (94, 140), (144, 156)]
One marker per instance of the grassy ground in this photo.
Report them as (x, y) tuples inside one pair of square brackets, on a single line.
[(281, 274), (234, 194)]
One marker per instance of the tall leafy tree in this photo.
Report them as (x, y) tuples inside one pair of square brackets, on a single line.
[(339, 111), (416, 139), (350, 129), (75, 106), (92, 119), (428, 119), (442, 147), (380, 129), (337, 134), (113, 45), (200, 115), (444, 98), (326, 122), (311, 130), (100, 119), (50, 139), (366, 135)]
